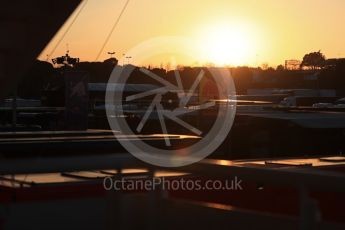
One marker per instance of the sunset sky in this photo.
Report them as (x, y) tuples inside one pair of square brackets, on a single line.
[(233, 32)]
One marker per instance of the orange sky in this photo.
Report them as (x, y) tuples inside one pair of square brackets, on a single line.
[(260, 31)]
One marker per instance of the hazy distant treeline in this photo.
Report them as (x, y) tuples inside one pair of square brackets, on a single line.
[(44, 76)]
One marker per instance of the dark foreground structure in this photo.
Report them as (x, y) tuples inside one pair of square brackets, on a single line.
[(60, 184)]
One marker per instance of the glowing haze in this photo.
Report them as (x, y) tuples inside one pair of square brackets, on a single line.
[(226, 32)]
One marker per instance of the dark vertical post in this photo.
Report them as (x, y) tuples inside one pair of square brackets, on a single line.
[(14, 109)]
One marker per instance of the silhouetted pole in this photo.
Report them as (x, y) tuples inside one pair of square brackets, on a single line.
[(14, 109)]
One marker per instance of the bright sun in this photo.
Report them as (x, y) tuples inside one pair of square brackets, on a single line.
[(227, 45)]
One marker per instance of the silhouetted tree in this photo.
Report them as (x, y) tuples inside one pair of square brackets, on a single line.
[(243, 79), (280, 68), (139, 77), (314, 60), (99, 71), (264, 66)]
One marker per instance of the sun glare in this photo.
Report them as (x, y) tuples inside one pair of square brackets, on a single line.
[(227, 44)]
